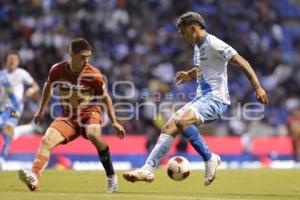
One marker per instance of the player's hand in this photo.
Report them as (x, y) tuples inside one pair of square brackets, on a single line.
[(261, 96), (38, 116), (119, 130), (182, 77), (30, 92)]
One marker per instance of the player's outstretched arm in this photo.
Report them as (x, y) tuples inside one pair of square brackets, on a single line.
[(111, 114), (32, 90), (183, 76), (239, 61), (46, 96)]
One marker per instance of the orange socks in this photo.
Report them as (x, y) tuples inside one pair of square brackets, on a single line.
[(39, 164)]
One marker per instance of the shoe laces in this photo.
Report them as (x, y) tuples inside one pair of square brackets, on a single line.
[(31, 179)]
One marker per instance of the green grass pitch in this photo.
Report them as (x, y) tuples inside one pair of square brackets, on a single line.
[(261, 184)]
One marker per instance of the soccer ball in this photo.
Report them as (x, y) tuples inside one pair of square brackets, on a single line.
[(178, 168)]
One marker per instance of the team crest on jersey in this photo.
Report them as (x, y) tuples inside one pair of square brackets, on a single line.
[(222, 53), (202, 54)]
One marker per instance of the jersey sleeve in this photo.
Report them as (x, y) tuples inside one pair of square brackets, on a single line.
[(222, 49), (52, 76), (27, 78)]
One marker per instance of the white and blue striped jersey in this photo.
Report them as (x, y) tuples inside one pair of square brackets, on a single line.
[(210, 59), (13, 83)]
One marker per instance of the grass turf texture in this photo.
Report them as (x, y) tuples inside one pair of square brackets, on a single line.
[(261, 184)]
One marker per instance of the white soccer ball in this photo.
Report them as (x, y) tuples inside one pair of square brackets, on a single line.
[(178, 168)]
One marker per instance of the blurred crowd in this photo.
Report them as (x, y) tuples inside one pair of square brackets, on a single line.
[(137, 41)]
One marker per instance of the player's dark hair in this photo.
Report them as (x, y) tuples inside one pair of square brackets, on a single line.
[(190, 18), (79, 44), (13, 52)]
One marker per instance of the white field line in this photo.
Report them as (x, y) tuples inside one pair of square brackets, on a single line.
[(120, 195)]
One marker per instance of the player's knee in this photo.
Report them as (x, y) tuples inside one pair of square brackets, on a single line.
[(170, 127), (9, 130), (180, 124), (92, 136), (93, 133), (47, 142)]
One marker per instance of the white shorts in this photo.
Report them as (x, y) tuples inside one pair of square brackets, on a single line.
[(205, 108)]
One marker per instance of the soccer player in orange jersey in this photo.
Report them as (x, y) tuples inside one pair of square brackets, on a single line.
[(82, 90)]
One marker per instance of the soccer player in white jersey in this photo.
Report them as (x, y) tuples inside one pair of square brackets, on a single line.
[(211, 56), (12, 86)]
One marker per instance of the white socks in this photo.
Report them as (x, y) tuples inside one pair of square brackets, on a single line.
[(27, 129), (161, 148)]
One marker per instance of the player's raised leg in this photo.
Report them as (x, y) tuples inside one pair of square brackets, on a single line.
[(12, 132), (93, 133), (164, 143), (7, 137), (31, 177), (183, 121), (27, 129), (8, 121), (185, 124)]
